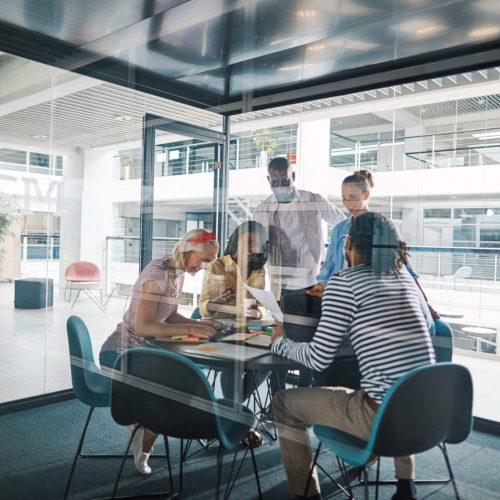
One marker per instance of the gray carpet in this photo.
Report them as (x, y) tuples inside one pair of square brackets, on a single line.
[(37, 447)]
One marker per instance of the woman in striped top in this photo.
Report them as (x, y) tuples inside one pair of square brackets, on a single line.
[(153, 312), (378, 308)]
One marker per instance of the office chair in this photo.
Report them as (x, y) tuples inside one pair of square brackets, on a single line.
[(85, 277), (172, 397), (91, 387), (462, 273), (429, 406), (443, 341)]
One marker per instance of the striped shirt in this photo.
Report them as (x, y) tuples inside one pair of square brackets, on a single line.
[(383, 319), (124, 337)]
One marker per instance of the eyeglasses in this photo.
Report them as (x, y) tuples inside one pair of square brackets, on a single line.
[(280, 182)]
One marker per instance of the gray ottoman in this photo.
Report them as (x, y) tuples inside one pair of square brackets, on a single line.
[(33, 293)]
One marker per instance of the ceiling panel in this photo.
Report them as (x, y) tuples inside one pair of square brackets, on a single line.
[(240, 55)]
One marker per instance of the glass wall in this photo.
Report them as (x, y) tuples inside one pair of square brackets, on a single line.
[(432, 147), (70, 170), (70, 191)]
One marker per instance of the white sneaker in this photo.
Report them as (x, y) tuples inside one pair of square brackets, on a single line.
[(140, 458)]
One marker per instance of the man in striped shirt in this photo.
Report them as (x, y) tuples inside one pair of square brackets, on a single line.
[(377, 306)]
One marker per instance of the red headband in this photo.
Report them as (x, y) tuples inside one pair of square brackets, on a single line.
[(203, 237)]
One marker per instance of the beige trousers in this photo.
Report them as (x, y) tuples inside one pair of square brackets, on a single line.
[(337, 407)]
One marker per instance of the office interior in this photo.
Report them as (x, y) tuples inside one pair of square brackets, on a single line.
[(125, 125)]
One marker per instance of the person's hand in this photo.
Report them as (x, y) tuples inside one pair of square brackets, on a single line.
[(202, 330), (226, 296), (208, 322), (317, 290), (253, 312), (278, 331)]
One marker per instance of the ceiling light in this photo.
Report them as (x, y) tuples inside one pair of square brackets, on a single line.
[(40, 137), (429, 30), (490, 212), (484, 32), (294, 67), (306, 13), (316, 47), (123, 118), (483, 136)]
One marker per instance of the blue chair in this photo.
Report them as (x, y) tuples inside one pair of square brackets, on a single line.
[(196, 313), (429, 406), (443, 341), (172, 397), (91, 387)]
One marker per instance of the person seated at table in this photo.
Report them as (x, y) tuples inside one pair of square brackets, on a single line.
[(224, 295), (153, 313), (377, 306)]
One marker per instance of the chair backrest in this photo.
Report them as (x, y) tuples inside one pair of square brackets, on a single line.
[(196, 314), (165, 392), (90, 386), (82, 271), (463, 273), (427, 406), (443, 341)]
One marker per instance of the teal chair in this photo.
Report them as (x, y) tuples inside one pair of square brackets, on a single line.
[(429, 406), (173, 398), (442, 341), (196, 313), (91, 387)]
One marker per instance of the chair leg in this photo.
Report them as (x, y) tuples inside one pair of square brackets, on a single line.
[(378, 478), (309, 477), (169, 465), (448, 465), (256, 471), (181, 462), (218, 472), (78, 451), (115, 487), (76, 298), (365, 481)]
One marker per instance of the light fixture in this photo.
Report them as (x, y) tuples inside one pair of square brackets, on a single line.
[(429, 29), (306, 13), (316, 47), (483, 136), (40, 137), (484, 32), (490, 212), (294, 67), (123, 118)]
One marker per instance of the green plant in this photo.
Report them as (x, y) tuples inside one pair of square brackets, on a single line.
[(268, 140), (5, 222)]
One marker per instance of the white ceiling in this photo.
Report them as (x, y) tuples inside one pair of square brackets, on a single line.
[(50, 106)]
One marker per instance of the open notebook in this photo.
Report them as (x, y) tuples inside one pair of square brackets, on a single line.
[(227, 351)]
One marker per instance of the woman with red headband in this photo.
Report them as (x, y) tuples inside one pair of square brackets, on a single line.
[(153, 313)]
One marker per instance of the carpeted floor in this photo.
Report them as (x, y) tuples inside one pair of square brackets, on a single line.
[(37, 446)]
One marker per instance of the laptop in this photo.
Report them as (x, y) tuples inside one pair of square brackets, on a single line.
[(301, 314)]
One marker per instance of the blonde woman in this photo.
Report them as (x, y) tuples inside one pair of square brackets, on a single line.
[(153, 313)]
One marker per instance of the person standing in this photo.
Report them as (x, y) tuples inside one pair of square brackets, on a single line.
[(293, 217), (355, 193)]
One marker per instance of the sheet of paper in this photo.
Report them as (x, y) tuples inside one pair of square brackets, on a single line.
[(268, 300)]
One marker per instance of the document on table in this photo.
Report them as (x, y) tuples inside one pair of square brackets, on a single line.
[(268, 300), (229, 351)]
